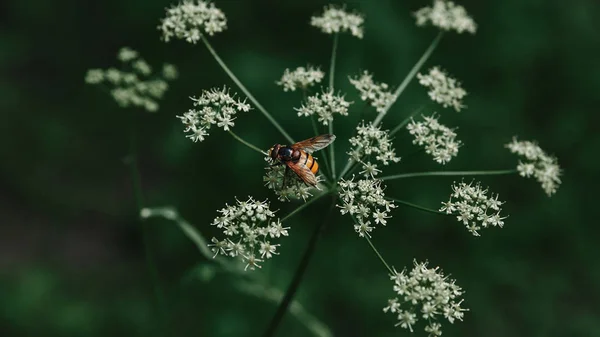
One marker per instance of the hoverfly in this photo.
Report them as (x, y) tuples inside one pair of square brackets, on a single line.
[(298, 158)]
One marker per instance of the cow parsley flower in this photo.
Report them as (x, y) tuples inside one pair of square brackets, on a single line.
[(365, 201), (443, 89), (438, 140), (215, 106), (473, 207), (189, 20), (325, 105), (294, 187), (301, 77), (374, 144), (134, 85), (446, 15), (425, 293), (377, 94), (537, 163), (249, 228), (335, 20)]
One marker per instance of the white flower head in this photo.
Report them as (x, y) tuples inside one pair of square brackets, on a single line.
[(285, 183), (335, 20), (443, 89), (213, 107), (301, 77), (365, 201), (473, 207), (169, 71), (249, 228), (537, 163), (135, 85), (189, 20), (377, 94), (325, 105), (425, 293), (446, 15), (372, 143), (438, 140)]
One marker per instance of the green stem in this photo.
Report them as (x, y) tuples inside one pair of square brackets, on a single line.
[(449, 173), (303, 206), (296, 280), (255, 148), (406, 120), (331, 88), (325, 157), (406, 203), (246, 92), (410, 76), (379, 255)]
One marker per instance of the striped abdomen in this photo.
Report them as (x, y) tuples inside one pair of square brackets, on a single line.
[(309, 161)]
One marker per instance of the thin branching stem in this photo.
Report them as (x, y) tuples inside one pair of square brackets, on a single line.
[(410, 76), (255, 148), (449, 173), (291, 291), (303, 206), (406, 120), (325, 157), (421, 208), (331, 88), (379, 255), (245, 91)]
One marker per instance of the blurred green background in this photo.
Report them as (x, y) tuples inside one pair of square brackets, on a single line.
[(71, 250)]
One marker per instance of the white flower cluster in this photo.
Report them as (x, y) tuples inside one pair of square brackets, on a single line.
[(446, 15), (371, 141), (335, 20), (537, 164), (443, 89), (135, 86), (428, 293), (377, 94), (473, 207), (294, 187), (365, 201), (188, 20), (438, 140), (324, 105), (301, 77), (248, 227), (215, 106)]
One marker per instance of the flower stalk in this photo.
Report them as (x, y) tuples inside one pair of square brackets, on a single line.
[(449, 173)]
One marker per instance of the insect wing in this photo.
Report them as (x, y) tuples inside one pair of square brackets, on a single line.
[(303, 172), (315, 143)]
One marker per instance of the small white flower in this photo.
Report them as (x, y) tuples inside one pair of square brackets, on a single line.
[(325, 105), (169, 71), (425, 292), (248, 226), (473, 207), (301, 77), (447, 16), (142, 67), (543, 167), (213, 107), (294, 188), (94, 76), (443, 89), (335, 20), (364, 200), (127, 54), (377, 94), (189, 20), (373, 143), (438, 140)]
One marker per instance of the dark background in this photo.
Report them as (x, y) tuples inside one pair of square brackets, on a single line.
[(71, 250)]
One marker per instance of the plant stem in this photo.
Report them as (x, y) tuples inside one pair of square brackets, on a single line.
[(450, 173), (410, 76), (406, 203), (379, 255), (291, 291), (247, 143), (303, 206), (406, 120), (246, 92), (331, 78), (325, 157)]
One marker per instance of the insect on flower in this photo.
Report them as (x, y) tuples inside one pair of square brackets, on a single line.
[(298, 158)]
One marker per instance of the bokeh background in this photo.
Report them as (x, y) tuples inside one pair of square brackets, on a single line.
[(71, 250)]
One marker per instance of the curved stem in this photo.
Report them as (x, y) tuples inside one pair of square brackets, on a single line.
[(246, 92), (410, 204), (379, 255), (410, 76), (449, 173), (255, 148), (331, 78), (291, 291)]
